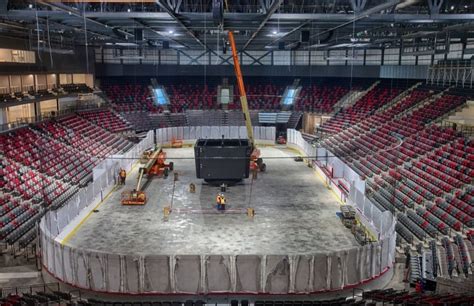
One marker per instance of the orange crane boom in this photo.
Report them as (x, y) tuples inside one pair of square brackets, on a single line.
[(256, 162), (243, 93)]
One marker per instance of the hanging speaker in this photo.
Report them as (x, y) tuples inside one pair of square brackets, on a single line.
[(304, 36), (218, 12), (139, 34), (166, 44), (281, 45)]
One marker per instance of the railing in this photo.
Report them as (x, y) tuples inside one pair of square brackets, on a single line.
[(466, 130), (46, 287)]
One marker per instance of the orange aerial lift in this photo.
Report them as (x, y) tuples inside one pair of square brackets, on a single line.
[(154, 166), (256, 162)]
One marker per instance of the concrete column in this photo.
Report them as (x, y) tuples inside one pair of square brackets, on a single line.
[(3, 115)]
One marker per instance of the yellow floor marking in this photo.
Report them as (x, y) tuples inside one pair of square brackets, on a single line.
[(323, 180), (76, 228)]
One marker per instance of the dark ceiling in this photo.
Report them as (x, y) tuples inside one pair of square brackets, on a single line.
[(257, 24)]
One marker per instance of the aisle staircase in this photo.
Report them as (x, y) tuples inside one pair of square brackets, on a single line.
[(294, 120), (352, 97)]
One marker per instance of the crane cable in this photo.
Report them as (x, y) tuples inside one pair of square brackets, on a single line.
[(250, 193)]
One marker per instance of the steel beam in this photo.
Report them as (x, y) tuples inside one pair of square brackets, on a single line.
[(361, 15), (244, 18), (181, 23), (70, 11), (147, 27), (435, 6), (358, 5), (269, 14), (290, 32)]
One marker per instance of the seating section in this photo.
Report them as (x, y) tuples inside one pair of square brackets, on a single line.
[(127, 97), (47, 155), (44, 165), (185, 96), (381, 94), (107, 119), (145, 121), (76, 88), (37, 297), (85, 136), (320, 99), (264, 96), (402, 297), (321, 96), (418, 170)]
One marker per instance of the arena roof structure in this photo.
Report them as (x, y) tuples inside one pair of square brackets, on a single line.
[(258, 24)]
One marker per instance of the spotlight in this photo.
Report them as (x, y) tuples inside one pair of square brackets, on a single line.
[(69, 13), (452, 7), (30, 6), (128, 10), (466, 6), (275, 32), (170, 32)]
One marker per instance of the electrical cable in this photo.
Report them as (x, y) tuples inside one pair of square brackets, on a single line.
[(85, 37), (49, 43), (317, 157), (37, 32), (353, 54)]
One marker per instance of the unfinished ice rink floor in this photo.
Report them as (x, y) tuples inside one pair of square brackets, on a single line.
[(295, 214)]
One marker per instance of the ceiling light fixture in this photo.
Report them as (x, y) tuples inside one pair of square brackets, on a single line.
[(275, 32), (170, 32)]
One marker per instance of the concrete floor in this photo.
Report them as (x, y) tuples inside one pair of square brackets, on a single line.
[(295, 214)]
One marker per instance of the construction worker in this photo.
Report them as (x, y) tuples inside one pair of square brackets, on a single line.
[(220, 200), (123, 176)]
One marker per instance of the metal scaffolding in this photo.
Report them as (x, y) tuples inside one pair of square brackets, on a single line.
[(459, 73)]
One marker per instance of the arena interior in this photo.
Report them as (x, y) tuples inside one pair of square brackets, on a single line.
[(263, 153)]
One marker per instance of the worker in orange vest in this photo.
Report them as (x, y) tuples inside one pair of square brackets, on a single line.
[(220, 200), (123, 176)]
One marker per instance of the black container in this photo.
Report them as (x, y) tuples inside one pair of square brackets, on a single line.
[(222, 160)]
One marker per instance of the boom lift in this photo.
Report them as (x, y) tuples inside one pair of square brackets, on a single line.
[(154, 166), (256, 162)]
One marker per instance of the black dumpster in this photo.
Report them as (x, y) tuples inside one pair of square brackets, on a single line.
[(222, 160)]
